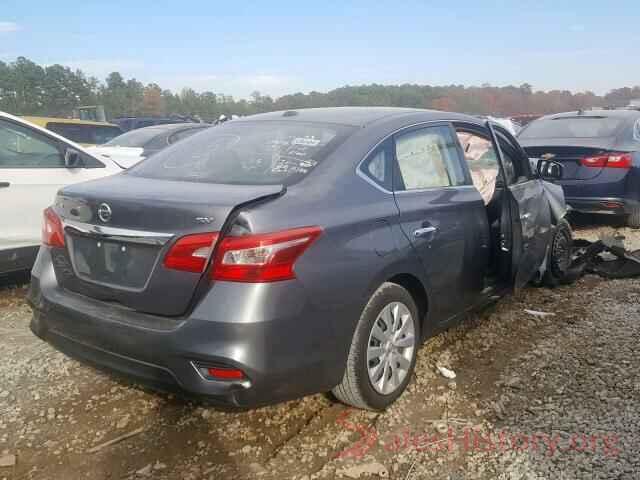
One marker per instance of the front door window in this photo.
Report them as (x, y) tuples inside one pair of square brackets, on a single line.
[(21, 147)]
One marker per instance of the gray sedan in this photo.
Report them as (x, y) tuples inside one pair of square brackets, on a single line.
[(295, 252)]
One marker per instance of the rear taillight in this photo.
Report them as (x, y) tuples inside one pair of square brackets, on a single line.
[(52, 231), (191, 252), (608, 160), (268, 257)]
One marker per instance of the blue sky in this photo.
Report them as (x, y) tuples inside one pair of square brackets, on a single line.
[(283, 47)]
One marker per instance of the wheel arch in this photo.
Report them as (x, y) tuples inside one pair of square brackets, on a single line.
[(418, 292)]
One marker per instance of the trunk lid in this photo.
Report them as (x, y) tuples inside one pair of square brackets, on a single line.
[(570, 152), (119, 228)]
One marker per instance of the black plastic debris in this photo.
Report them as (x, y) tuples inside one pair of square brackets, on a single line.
[(606, 257)]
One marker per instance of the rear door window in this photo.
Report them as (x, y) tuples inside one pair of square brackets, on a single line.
[(247, 153), (378, 166), (427, 158), (22, 147)]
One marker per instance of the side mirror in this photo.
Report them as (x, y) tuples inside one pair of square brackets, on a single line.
[(72, 158), (549, 170)]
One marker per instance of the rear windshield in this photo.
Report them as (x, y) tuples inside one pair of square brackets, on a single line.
[(79, 133), (572, 127), (247, 153), (135, 138)]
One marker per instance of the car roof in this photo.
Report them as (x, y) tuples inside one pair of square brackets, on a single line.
[(74, 121), (616, 113), (169, 127), (354, 116)]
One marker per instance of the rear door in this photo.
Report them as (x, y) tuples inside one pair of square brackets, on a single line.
[(530, 212), (442, 215)]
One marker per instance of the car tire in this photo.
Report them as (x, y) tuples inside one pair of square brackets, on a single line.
[(381, 361), (559, 259), (633, 219)]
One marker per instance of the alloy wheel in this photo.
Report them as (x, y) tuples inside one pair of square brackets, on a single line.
[(391, 348)]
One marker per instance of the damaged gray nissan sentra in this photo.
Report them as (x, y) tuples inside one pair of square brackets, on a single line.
[(296, 252)]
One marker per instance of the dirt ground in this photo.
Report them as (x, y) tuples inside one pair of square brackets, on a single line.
[(535, 396)]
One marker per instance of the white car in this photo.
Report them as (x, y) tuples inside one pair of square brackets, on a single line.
[(34, 164), (136, 145)]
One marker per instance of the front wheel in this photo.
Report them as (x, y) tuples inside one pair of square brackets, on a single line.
[(560, 255), (383, 350)]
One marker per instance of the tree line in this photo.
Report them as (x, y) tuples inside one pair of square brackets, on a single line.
[(27, 88)]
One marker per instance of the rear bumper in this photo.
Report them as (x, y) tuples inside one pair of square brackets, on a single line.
[(602, 205), (287, 349)]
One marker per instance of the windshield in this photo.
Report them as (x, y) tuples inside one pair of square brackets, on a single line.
[(135, 138), (79, 133), (572, 127), (247, 153)]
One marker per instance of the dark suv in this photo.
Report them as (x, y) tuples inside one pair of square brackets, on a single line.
[(293, 252)]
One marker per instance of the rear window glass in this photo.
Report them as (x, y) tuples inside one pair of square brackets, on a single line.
[(572, 127), (135, 138), (247, 153), (92, 134)]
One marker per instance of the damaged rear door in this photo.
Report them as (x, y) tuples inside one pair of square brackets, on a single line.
[(531, 228)]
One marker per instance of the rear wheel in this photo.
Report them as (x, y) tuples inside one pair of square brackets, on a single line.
[(633, 220), (559, 259), (383, 350)]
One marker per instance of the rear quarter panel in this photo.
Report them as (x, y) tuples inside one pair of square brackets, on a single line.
[(360, 248)]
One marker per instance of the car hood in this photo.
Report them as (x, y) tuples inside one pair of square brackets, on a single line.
[(124, 157)]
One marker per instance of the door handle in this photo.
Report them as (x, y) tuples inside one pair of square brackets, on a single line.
[(422, 232), (4, 184)]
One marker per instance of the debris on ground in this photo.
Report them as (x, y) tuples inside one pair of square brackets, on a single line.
[(145, 471), (447, 373), (113, 441), (357, 471), (606, 257), (537, 313), (7, 460)]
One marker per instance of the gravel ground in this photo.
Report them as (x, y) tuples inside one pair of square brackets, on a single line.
[(536, 396)]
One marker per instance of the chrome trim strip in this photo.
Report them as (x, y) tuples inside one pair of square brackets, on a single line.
[(431, 189), (118, 234), (370, 181)]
